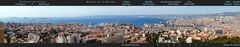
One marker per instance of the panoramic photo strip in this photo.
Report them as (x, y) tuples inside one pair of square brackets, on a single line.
[(120, 24)]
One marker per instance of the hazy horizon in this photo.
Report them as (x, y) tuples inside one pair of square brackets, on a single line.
[(78, 11)]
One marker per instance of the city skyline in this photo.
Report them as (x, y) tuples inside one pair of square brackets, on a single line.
[(73, 11)]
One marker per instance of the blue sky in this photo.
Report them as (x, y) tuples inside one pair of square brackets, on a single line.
[(72, 11)]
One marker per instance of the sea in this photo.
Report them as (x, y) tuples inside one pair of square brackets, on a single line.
[(137, 21)]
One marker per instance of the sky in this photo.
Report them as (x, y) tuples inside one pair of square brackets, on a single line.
[(73, 11)]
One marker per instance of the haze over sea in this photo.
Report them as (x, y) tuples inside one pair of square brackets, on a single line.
[(137, 21)]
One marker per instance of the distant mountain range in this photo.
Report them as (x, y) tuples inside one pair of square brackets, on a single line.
[(216, 14), (231, 13), (116, 16)]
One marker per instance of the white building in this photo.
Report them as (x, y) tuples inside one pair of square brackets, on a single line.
[(189, 40)]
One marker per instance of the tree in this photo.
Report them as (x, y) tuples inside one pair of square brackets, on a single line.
[(152, 38), (1, 33)]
